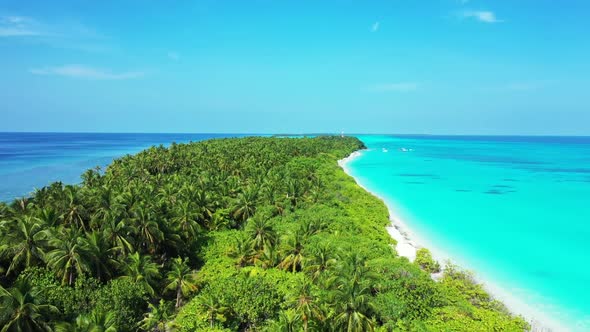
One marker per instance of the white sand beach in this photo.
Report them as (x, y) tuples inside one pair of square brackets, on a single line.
[(405, 247)]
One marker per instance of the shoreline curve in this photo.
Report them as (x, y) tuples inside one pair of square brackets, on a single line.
[(408, 244)]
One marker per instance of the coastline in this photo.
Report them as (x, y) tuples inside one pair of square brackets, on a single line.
[(408, 244), (405, 247)]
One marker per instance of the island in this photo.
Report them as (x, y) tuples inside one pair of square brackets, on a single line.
[(238, 234)]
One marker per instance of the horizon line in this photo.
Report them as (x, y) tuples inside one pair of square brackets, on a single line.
[(336, 133)]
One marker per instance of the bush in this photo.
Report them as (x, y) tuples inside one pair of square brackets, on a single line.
[(70, 301), (126, 299), (242, 302), (425, 261)]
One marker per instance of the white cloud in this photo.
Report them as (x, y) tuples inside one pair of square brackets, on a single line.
[(173, 56), (85, 72), (16, 19), (395, 87), (481, 15), (375, 27), (15, 26), (66, 34)]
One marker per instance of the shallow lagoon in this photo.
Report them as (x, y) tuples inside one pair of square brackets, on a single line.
[(516, 210)]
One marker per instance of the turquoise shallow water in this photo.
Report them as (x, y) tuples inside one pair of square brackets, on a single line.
[(516, 210)]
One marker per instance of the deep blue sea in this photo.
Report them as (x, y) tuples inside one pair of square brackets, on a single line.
[(34, 160), (515, 210)]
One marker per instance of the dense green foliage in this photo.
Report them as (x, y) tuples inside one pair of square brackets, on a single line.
[(426, 262), (251, 234)]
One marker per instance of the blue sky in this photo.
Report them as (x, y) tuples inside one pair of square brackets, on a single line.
[(268, 66)]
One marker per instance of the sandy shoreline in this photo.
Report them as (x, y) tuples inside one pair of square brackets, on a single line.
[(408, 243), (405, 247)]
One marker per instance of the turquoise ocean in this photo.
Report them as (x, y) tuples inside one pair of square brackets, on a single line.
[(514, 210)]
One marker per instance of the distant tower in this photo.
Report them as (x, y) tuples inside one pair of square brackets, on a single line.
[(342, 133)]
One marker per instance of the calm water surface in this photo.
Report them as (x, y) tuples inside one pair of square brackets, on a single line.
[(33, 160), (514, 209)]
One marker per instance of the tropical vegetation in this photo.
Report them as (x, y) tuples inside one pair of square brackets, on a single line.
[(248, 234)]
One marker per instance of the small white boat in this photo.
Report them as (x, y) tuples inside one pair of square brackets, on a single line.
[(384, 150)]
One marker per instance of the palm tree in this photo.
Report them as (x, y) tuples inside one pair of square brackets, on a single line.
[(317, 190), (102, 255), (119, 233), (49, 216), (293, 252), (219, 220), (157, 318), (173, 244), (267, 258), (21, 311), (147, 228), (213, 306), (320, 259), (203, 201), (294, 191), (352, 295), (128, 200), (52, 195), (140, 269), (105, 203), (270, 189), (310, 227), (96, 321), (355, 266), (261, 232), (351, 301), (229, 185), (242, 250), (24, 242), (186, 219), (305, 305), (22, 205), (288, 322), (167, 194), (70, 256), (181, 279), (91, 177), (75, 212), (245, 205), (5, 211)]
